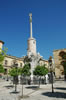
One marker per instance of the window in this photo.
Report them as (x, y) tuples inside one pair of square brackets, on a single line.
[(33, 42), (5, 72), (6, 62), (13, 63), (20, 64)]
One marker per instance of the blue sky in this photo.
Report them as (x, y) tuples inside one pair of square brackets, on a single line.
[(49, 25)]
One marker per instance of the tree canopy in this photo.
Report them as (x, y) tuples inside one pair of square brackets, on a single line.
[(40, 70), (1, 68), (20, 71), (26, 70), (14, 71), (2, 56)]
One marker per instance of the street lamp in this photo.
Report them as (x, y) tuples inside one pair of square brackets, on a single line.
[(51, 71), (7, 75)]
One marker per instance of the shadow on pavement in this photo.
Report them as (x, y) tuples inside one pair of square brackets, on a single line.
[(14, 92), (32, 87), (61, 88), (9, 86), (55, 94)]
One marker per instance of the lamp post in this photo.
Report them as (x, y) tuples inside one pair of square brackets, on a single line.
[(51, 71), (22, 84), (7, 75)]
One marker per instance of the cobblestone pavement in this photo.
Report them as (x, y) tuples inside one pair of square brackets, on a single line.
[(33, 93)]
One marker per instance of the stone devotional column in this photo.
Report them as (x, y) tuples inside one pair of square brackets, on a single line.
[(31, 40), (31, 51)]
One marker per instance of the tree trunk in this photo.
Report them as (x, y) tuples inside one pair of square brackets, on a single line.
[(15, 88), (65, 77), (39, 81)]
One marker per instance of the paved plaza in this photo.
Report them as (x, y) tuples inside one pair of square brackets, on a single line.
[(33, 93)]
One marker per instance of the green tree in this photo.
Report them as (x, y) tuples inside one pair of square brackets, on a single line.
[(40, 71), (1, 68), (14, 72), (2, 56), (26, 70)]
